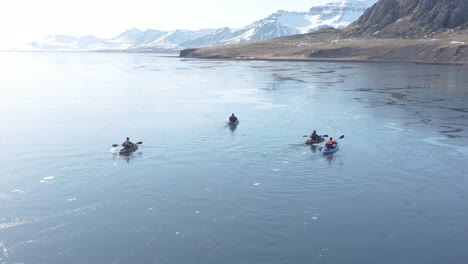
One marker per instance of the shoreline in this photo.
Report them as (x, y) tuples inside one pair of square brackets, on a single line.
[(253, 58), (337, 60)]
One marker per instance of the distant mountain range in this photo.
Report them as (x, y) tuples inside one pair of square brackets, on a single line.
[(282, 23)]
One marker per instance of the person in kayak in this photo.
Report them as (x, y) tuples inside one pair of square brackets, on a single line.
[(330, 143), (314, 136), (128, 144), (232, 118)]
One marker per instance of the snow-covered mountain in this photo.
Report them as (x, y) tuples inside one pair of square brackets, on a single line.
[(132, 39), (262, 29), (284, 23), (337, 14), (64, 43)]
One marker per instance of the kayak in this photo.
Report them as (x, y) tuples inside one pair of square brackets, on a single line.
[(327, 151), (128, 151), (233, 123), (316, 141)]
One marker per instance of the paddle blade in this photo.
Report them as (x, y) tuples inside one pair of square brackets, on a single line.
[(115, 145), (342, 136), (324, 135), (139, 142)]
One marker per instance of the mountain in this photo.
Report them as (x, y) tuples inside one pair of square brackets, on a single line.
[(130, 40), (421, 31), (279, 24), (65, 43), (284, 23), (410, 18)]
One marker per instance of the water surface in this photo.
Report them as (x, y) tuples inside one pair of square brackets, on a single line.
[(197, 191)]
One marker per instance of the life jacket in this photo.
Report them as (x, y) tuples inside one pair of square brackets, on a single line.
[(232, 118)]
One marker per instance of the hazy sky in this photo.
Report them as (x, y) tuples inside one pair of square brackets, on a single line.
[(24, 20)]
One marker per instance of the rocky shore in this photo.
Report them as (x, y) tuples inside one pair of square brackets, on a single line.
[(328, 44)]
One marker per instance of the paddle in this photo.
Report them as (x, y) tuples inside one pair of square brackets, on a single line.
[(138, 143), (341, 137)]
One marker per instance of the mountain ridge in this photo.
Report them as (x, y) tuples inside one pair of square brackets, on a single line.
[(279, 24)]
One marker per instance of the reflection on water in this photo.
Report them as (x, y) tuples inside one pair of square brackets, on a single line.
[(232, 127), (251, 194)]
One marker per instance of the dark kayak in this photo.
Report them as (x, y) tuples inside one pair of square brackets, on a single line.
[(327, 151), (316, 141), (128, 151), (233, 123)]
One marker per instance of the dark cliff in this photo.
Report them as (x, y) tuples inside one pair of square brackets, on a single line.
[(410, 18)]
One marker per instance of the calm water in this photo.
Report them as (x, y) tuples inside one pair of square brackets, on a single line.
[(199, 192)]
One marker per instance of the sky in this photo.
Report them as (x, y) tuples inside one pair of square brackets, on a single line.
[(22, 21)]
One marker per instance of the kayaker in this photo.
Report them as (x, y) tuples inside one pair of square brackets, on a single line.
[(232, 118), (330, 143), (314, 136), (127, 144)]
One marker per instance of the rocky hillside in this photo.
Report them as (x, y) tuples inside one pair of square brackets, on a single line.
[(450, 47), (410, 18), (425, 31)]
